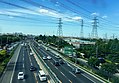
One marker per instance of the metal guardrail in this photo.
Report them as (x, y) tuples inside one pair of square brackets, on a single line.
[(54, 77)]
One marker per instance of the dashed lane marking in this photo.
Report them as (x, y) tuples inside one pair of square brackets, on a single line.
[(48, 81), (23, 65), (23, 58), (70, 81), (72, 74), (35, 77)]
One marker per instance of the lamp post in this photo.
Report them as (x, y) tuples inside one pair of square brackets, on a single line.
[(75, 56)]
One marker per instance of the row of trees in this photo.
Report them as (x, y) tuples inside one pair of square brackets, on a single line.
[(103, 55), (6, 40), (53, 40)]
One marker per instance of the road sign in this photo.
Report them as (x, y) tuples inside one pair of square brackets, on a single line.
[(68, 50)]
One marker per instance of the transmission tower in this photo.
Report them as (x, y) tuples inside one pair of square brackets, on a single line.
[(81, 32), (59, 31), (94, 33)]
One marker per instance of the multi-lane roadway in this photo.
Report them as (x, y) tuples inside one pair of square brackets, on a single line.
[(64, 71), (22, 60)]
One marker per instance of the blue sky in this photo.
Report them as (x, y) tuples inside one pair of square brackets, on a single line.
[(41, 16)]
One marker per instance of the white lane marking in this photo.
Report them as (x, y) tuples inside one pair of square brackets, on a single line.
[(88, 78), (70, 66), (15, 65), (29, 58), (72, 73), (23, 80), (23, 65), (23, 58), (62, 74), (31, 64), (66, 77)]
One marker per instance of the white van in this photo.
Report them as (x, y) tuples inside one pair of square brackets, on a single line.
[(42, 75)]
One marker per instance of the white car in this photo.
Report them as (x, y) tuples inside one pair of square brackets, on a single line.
[(20, 75), (44, 58), (49, 57), (42, 75), (31, 53)]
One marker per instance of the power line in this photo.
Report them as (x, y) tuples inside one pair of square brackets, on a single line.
[(18, 6), (71, 9), (37, 4), (109, 22), (20, 12)]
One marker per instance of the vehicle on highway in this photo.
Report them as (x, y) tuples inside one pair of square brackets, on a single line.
[(61, 61), (47, 49), (42, 75), (44, 58), (76, 71), (32, 68), (21, 75), (58, 56), (31, 53), (49, 57), (56, 63)]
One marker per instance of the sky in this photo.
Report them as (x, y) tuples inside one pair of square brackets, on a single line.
[(42, 17)]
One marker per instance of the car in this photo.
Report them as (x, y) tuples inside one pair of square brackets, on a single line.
[(61, 61), (32, 68), (47, 49), (49, 57), (20, 75), (31, 53), (56, 63), (44, 58), (42, 76), (58, 57), (76, 71)]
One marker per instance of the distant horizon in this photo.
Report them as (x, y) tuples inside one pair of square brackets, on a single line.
[(43, 18), (20, 33)]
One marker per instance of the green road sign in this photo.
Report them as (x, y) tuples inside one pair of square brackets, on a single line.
[(68, 50)]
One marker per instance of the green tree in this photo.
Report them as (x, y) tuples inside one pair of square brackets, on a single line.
[(93, 62), (108, 69)]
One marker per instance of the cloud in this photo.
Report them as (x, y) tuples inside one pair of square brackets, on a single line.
[(42, 12), (6, 12), (49, 13), (95, 14), (77, 18), (104, 16)]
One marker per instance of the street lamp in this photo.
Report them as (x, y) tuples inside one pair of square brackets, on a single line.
[(75, 56)]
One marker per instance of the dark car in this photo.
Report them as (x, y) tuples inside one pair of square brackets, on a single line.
[(56, 63), (77, 71), (32, 68), (61, 61)]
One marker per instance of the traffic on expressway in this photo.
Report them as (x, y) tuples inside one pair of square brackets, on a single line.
[(36, 63)]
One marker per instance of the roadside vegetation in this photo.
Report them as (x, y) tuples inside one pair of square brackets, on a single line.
[(102, 57), (7, 41)]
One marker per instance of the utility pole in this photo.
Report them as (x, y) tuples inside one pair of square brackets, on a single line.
[(94, 30), (97, 51), (81, 33)]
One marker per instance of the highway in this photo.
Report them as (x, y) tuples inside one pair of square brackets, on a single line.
[(23, 64), (64, 71), (23, 60)]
